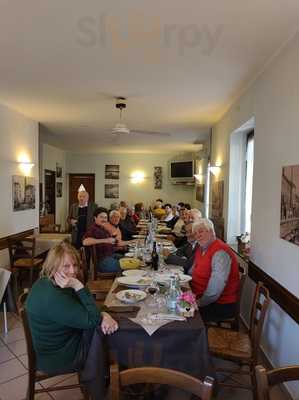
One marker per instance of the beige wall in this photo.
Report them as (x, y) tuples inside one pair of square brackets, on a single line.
[(18, 136), (273, 100), (128, 163)]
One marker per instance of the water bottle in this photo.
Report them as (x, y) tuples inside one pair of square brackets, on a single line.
[(172, 295)]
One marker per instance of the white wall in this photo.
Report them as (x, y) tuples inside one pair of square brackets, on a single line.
[(145, 192), (273, 100), (18, 135), (50, 156)]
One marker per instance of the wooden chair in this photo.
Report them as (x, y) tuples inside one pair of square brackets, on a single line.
[(241, 348), (52, 228), (267, 379), (100, 284), (201, 389), (22, 258), (34, 375), (234, 323)]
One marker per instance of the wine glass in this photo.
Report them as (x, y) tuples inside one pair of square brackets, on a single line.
[(153, 290)]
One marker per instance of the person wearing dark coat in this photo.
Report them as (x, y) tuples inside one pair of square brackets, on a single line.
[(81, 216)]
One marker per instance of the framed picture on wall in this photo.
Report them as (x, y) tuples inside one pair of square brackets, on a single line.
[(111, 171), (58, 189), (58, 171), (23, 193), (158, 177), (200, 192), (111, 191), (289, 204), (217, 199)]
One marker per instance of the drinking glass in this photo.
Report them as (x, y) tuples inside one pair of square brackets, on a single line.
[(153, 290)]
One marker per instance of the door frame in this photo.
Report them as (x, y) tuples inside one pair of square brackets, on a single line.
[(80, 174)]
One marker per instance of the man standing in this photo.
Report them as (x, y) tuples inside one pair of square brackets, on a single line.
[(215, 275), (81, 216)]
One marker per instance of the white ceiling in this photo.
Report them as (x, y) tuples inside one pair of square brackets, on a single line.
[(180, 63)]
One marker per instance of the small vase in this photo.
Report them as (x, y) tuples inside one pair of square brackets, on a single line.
[(186, 311)]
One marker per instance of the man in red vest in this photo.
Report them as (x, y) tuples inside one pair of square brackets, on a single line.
[(215, 276)]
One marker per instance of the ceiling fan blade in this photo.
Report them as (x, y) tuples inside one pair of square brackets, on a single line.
[(150, 133)]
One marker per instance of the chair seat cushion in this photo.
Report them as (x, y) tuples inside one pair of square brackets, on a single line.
[(27, 262), (230, 344), (100, 285)]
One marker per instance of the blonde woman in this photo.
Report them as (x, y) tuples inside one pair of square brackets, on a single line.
[(65, 323)]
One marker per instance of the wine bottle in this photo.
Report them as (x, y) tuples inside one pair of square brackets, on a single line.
[(155, 257)]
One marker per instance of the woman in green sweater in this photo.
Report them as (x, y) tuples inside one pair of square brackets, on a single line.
[(66, 325)]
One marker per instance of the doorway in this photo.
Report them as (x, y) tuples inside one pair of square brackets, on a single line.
[(50, 193), (75, 180)]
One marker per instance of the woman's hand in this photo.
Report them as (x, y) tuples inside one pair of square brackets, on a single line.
[(108, 324), (64, 282)]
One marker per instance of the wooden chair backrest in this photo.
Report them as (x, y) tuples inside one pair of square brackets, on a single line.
[(243, 276), (267, 379), (84, 269), (52, 228), (28, 338), (24, 248), (180, 380), (259, 307), (95, 275)]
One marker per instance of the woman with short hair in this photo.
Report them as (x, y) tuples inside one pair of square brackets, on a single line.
[(65, 323)]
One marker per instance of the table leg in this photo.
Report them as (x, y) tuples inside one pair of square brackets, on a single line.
[(5, 318)]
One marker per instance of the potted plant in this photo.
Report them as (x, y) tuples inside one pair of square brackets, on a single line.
[(186, 304)]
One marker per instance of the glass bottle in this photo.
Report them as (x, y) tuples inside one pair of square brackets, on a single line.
[(155, 257), (172, 295)]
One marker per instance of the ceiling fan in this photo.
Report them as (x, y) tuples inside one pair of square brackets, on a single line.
[(122, 129)]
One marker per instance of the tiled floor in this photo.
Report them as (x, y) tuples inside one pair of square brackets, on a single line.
[(13, 372)]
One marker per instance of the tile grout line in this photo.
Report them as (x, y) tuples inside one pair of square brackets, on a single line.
[(16, 377)]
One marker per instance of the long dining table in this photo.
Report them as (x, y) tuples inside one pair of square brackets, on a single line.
[(180, 345)]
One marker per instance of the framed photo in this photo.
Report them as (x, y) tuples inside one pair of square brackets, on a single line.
[(23, 193), (58, 171), (58, 189), (200, 192), (289, 204), (111, 171), (217, 199), (111, 191), (158, 177)]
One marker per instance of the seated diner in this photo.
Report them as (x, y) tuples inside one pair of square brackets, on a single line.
[(66, 325), (215, 275), (98, 235)]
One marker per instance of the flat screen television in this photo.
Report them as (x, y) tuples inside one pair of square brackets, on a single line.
[(182, 171)]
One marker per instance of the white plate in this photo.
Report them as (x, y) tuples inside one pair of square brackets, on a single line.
[(135, 281), (165, 277), (134, 272), (130, 254), (130, 296), (138, 236)]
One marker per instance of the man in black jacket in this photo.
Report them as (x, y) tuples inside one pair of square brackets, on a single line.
[(81, 216), (184, 256)]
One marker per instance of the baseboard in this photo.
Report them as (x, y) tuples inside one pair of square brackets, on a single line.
[(267, 363)]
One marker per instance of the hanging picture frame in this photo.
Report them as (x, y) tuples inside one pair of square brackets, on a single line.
[(158, 177)]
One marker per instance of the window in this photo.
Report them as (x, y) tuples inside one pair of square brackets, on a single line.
[(248, 181), (241, 159)]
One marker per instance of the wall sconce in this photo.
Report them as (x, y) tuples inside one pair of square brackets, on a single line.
[(137, 177), (215, 169), (25, 167), (198, 177)]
